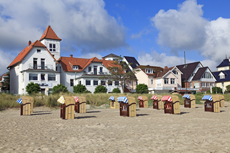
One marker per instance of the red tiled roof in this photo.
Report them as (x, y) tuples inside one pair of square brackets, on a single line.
[(49, 34), (161, 74), (26, 50), (68, 62), (3, 76)]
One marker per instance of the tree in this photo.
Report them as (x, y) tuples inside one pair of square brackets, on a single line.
[(100, 89), (228, 88), (116, 90), (79, 89), (59, 88), (32, 88), (142, 88), (120, 72), (216, 90), (6, 83)]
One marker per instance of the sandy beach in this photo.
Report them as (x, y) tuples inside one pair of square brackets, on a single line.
[(103, 130)]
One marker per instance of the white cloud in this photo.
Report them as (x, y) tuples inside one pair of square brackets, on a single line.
[(5, 59), (156, 59), (91, 55), (83, 25), (187, 29), (211, 64)]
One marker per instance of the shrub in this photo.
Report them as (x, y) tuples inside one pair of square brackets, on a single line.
[(116, 90), (79, 89), (32, 88), (227, 88), (142, 88), (59, 88), (216, 90), (100, 89)]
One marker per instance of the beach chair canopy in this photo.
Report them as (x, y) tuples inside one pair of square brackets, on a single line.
[(154, 97), (140, 98), (207, 97), (76, 99), (61, 100), (111, 98), (167, 98), (122, 99), (186, 96)]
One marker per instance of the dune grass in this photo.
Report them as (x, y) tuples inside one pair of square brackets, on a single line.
[(95, 100)]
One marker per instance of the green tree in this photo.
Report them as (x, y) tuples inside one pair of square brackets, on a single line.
[(119, 71), (6, 82), (216, 90), (228, 88), (59, 88), (142, 88), (32, 88), (100, 89), (79, 88), (116, 90)]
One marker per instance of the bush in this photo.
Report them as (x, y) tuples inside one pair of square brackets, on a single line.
[(142, 88), (79, 88), (32, 88), (59, 88), (116, 90), (216, 90), (100, 89), (228, 88)]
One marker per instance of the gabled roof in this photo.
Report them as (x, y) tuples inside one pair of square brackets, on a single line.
[(49, 34), (132, 61), (227, 76), (26, 50), (225, 62), (199, 73), (68, 62), (111, 55), (187, 70), (161, 74), (155, 68)]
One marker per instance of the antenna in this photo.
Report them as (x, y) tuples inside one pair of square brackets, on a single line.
[(50, 21), (184, 58)]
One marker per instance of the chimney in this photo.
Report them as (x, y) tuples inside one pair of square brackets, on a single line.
[(29, 43), (71, 55), (103, 58), (166, 67)]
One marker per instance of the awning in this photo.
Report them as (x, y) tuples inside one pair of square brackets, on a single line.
[(122, 99), (76, 99), (186, 96), (140, 98), (154, 97), (207, 97), (111, 98), (167, 98), (61, 100)]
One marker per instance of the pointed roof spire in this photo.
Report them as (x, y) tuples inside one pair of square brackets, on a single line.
[(49, 34)]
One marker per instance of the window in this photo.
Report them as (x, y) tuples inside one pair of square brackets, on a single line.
[(95, 70), (52, 47), (175, 72), (148, 70), (33, 77), (191, 85), (202, 84), (79, 82), (95, 82), (207, 84), (35, 64), (212, 84), (207, 75), (185, 66), (42, 77), (172, 80), (75, 67), (89, 69), (51, 77), (42, 63), (71, 82), (197, 85), (87, 82), (151, 80), (110, 82), (222, 76), (38, 50), (101, 69), (116, 83), (102, 82), (166, 80)]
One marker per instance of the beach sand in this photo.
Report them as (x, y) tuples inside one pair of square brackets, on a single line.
[(103, 130)]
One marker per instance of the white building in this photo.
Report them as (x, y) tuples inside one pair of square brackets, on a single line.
[(36, 63), (88, 72)]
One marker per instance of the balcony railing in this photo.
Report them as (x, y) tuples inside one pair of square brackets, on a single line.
[(97, 73), (41, 67)]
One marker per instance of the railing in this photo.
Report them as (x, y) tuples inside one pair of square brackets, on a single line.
[(41, 67), (193, 89), (161, 88), (98, 73)]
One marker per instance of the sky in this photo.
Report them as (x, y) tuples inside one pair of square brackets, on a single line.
[(155, 32)]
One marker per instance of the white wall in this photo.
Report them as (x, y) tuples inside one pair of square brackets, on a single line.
[(56, 53)]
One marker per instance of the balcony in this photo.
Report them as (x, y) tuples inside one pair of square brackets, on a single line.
[(41, 67), (96, 73)]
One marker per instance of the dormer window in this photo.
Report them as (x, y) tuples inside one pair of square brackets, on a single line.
[(150, 71), (75, 67), (175, 72), (222, 76), (52, 47), (207, 75)]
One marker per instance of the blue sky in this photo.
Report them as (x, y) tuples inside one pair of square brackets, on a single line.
[(154, 32)]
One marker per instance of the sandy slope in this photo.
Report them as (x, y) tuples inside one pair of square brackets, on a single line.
[(103, 130)]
